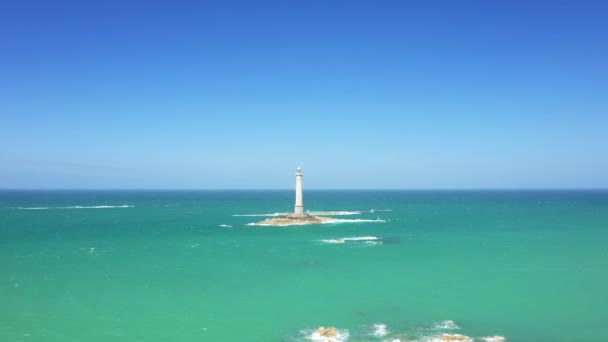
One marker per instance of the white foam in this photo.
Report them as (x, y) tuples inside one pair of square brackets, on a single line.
[(334, 213), (317, 213), (80, 207), (225, 225), (354, 220), (380, 330), (99, 206), (366, 239), (304, 223), (361, 238), (263, 215), (333, 241), (447, 324)]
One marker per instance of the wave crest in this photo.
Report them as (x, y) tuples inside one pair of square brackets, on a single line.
[(79, 207), (381, 332), (260, 215), (334, 213), (447, 325), (356, 238)]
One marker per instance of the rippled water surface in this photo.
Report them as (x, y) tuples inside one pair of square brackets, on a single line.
[(185, 266)]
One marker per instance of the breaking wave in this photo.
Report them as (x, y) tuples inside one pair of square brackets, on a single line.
[(356, 238), (304, 223), (100, 206), (446, 325), (318, 213), (346, 212), (494, 339), (335, 213), (261, 215), (361, 238), (355, 220), (381, 332), (79, 207), (225, 226)]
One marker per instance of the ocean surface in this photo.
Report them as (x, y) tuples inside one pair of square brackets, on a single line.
[(185, 266)]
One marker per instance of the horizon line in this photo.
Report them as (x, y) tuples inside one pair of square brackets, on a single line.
[(309, 189)]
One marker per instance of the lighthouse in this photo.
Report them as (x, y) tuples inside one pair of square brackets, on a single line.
[(298, 217), (299, 207)]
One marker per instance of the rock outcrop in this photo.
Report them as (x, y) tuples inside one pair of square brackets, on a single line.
[(454, 337), (292, 219), (327, 332)]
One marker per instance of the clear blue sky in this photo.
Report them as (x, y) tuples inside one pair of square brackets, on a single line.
[(361, 94)]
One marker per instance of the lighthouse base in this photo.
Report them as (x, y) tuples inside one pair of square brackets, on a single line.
[(295, 219), (299, 214)]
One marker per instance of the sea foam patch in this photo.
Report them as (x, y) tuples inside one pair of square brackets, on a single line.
[(446, 325), (379, 330)]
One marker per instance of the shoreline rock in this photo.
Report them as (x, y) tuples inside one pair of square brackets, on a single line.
[(293, 220)]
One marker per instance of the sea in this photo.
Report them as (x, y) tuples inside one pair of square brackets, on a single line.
[(401, 266)]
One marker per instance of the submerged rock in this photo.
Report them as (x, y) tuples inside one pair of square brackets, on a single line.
[(291, 220), (454, 337)]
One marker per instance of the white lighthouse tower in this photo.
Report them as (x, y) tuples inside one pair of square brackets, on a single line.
[(299, 208)]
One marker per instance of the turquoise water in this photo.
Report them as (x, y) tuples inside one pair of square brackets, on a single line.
[(159, 266)]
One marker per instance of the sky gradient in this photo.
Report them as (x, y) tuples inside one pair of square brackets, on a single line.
[(361, 94)]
